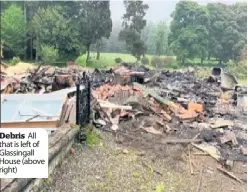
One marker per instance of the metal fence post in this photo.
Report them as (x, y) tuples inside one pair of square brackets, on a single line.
[(88, 100), (77, 103), (83, 101)]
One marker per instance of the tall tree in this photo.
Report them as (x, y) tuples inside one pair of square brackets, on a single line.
[(29, 8), (13, 29), (133, 23), (240, 14), (148, 36), (113, 44), (51, 27), (94, 22), (99, 47), (189, 31), (202, 23), (151, 38), (227, 30), (161, 43)]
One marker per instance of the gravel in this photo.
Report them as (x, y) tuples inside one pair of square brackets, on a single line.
[(117, 168)]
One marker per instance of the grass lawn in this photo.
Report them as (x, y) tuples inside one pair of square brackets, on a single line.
[(106, 60), (242, 81)]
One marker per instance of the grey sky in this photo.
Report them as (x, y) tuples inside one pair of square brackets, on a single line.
[(158, 9)]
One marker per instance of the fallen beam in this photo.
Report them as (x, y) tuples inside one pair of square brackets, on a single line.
[(106, 104), (148, 92), (230, 174), (180, 141)]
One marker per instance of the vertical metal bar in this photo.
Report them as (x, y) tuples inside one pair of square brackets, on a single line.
[(77, 103), (88, 101)]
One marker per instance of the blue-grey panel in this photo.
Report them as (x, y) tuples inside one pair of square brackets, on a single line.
[(52, 108), (22, 108), (8, 109)]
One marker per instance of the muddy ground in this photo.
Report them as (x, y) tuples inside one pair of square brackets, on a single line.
[(121, 164)]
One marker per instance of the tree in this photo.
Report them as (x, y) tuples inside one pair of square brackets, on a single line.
[(202, 23), (151, 38), (240, 15), (99, 46), (189, 31), (227, 30), (113, 44), (161, 37), (148, 36), (13, 29), (133, 24), (51, 27), (48, 54), (29, 8), (139, 48), (94, 22)]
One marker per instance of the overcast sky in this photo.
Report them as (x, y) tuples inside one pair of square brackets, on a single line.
[(158, 9)]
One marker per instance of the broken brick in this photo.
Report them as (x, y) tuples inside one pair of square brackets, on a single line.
[(195, 107), (105, 91), (188, 115), (72, 150), (136, 88)]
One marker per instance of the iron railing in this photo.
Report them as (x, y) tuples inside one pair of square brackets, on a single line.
[(83, 96)]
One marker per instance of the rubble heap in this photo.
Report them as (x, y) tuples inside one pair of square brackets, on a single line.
[(176, 107), (154, 107), (41, 80)]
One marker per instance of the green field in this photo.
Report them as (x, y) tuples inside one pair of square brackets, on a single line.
[(106, 59)]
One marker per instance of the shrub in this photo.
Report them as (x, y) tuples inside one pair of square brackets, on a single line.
[(157, 61), (173, 66), (118, 60), (48, 54), (238, 69), (168, 61), (80, 61), (15, 60), (162, 62), (90, 63), (145, 61)]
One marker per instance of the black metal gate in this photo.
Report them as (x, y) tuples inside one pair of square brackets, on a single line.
[(83, 101)]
